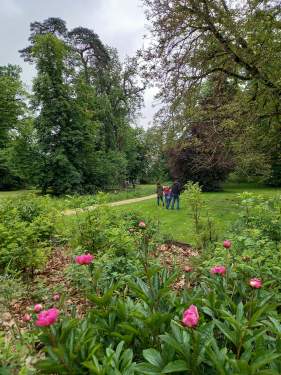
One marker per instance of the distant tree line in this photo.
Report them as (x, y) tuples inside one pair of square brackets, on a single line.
[(74, 133), (217, 65)]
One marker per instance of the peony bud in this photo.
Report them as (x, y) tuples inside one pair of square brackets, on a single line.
[(47, 317), (191, 317), (255, 283), (187, 269), (218, 270), (38, 307), (142, 224), (84, 259), (56, 297), (26, 317), (227, 244)]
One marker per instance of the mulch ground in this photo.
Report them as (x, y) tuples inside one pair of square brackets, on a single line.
[(177, 255), (52, 278), (49, 281)]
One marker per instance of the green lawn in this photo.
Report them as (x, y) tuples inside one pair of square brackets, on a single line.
[(13, 194), (222, 207)]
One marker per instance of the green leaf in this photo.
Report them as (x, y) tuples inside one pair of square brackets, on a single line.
[(147, 369), (119, 349), (175, 366), (264, 359), (153, 357), (227, 333), (217, 358), (105, 299), (208, 311), (179, 346), (240, 312), (276, 324)]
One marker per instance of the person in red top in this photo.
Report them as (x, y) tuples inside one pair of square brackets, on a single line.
[(167, 195)]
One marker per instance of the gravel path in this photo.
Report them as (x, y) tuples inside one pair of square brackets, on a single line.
[(111, 204)]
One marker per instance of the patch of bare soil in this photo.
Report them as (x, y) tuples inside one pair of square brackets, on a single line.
[(46, 283), (175, 254)]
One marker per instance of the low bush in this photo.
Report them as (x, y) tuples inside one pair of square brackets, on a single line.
[(204, 228), (256, 238), (26, 228), (149, 329), (115, 240)]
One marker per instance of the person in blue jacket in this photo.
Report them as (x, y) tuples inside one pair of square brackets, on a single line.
[(175, 195)]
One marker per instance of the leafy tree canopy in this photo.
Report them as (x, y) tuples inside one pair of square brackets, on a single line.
[(195, 41)]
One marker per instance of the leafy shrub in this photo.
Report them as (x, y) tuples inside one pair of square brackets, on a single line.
[(134, 324), (238, 332), (204, 228), (239, 326), (256, 238), (115, 241), (15, 359), (25, 233), (76, 201)]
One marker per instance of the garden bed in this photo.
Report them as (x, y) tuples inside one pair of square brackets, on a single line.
[(47, 283)]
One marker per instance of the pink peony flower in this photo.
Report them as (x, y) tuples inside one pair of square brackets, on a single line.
[(26, 317), (47, 317), (191, 316), (56, 297), (84, 259), (255, 283), (142, 224), (227, 244), (38, 307), (187, 269), (218, 270)]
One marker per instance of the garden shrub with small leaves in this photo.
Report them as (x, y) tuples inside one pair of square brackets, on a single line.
[(27, 226), (256, 238), (114, 238)]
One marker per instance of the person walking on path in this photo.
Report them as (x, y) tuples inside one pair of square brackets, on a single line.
[(159, 192), (167, 195), (175, 195)]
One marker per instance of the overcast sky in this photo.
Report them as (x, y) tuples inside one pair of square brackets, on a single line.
[(119, 23)]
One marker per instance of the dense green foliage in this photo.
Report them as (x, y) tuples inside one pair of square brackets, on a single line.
[(203, 154), (238, 331), (196, 43), (61, 137), (26, 229), (256, 237), (78, 134), (134, 309), (11, 109), (87, 100), (236, 335)]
